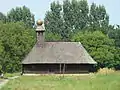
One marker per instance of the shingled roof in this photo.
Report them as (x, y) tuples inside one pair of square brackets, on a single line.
[(59, 52)]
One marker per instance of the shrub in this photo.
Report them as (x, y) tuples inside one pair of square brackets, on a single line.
[(105, 71)]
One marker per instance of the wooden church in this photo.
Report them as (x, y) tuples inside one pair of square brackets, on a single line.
[(56, 57)]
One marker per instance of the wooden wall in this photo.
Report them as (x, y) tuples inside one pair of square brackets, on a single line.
[(57, 68)]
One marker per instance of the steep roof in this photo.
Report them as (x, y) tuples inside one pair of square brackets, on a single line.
[(59, 52)]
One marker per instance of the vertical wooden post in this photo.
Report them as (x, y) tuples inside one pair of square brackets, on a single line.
[(63, 69), (60, 68)]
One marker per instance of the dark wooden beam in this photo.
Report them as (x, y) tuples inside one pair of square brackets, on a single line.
[(63, 68), (60, 68)]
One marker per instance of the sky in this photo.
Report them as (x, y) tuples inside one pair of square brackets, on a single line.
[(39, 7)]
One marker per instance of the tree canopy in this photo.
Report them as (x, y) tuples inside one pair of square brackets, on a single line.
[(74, 16), (100, 47), (15, 42), (19, 14), (115, 34)]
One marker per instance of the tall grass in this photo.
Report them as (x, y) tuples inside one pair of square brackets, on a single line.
[(105, 71), (111, 81)]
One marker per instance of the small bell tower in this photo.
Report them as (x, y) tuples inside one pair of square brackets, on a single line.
[(40, 31)]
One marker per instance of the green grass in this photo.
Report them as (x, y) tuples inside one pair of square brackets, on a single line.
[(52, 82), (6, 75)]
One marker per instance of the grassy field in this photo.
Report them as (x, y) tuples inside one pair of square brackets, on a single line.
[(52, 82)]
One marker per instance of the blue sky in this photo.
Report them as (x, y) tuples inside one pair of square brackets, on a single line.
[(39, 7)]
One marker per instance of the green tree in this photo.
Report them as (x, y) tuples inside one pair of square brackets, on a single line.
[(22, 14), (98, 18), (53, 19), (100, 47), (80, 13), (75, 15), (52, 36), (2, 17), (16, 41), (115, 34), (117, 59)]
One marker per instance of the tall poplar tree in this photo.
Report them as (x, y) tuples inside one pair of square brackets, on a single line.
[(98, 18), (75, 15), (53, 19)]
